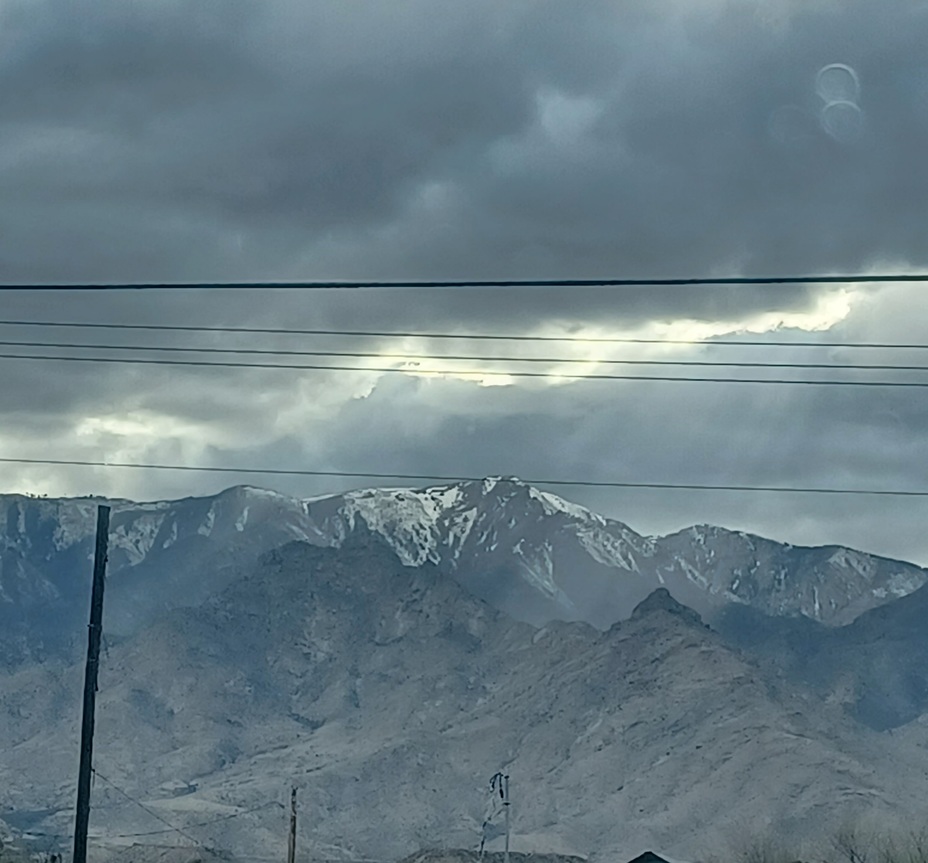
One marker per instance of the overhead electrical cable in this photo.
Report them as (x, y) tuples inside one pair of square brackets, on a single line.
[(464, 478), (337, 285), (209, 823), (462, 357), (148, 809), (483, 373), (709, 341)]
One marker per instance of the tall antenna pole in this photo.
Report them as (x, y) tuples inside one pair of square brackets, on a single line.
[(506, 810), (94, 635), (291, 839)]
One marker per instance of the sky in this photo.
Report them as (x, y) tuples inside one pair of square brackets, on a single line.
[(165, 141)]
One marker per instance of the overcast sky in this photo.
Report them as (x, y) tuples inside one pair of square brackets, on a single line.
[(160, 140)]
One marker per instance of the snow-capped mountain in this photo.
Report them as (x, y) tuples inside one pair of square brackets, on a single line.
[(526, 551), (161, 555), (376, 659), (539, 557)]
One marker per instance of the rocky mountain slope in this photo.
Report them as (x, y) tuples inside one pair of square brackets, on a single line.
[(161, 555), (389, 694), (527, 552), (876, 667)]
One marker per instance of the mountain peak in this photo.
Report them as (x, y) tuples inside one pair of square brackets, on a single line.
[(661, 600)]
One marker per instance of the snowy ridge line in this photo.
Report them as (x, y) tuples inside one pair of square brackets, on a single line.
[(499, 535), (434, 502)]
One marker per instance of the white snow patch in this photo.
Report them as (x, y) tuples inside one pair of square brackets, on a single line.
[(553, 504), (306, 501), (902, 584), (137, 537), (172, 538), (206, 528), (267, 494), (459, 529), (242, 520), (76, 522), (607, 549), (407, 519), (859, 563), (692, 573), (485, 535), (538, 572), (299, 534)]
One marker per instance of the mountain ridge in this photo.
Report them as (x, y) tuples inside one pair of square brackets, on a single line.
[(526, 551), (393, 693)]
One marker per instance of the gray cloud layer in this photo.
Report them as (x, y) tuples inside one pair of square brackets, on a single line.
[(404, 140)]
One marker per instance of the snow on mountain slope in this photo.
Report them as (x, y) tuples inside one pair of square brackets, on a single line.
[(434, 524), (540, 557), (416, 523), (526, 551), (829, 584), (161, 555)]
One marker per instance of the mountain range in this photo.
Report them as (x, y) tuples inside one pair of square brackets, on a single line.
[(388, 650), (527, 552)]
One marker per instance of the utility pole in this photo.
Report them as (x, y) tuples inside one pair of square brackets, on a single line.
[(291, 839), (94, 635), (499, 783), (506, 810)]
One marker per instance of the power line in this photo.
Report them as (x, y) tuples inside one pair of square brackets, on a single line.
[(462, 357), (462, 478), (285, 331), (477, 283), (170, 829), (195, 826), (507, 373), (150, 811)]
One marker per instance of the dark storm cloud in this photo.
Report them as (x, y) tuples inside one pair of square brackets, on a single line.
[(407, 140), (422, 140), (714, 434)]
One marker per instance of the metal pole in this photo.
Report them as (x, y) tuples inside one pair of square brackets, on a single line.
[(506, 810), (94, 635), (291, 839)]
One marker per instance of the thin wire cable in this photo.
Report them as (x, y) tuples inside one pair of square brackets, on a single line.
[(507, 373), (477, 283), (168, 829), (200, 824), (463, 478), (463, 357), (150, 811), (284, 331)]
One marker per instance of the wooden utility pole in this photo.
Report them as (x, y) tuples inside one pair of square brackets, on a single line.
[(94, 635), (499, 784), (291, 839), (506, 810)]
